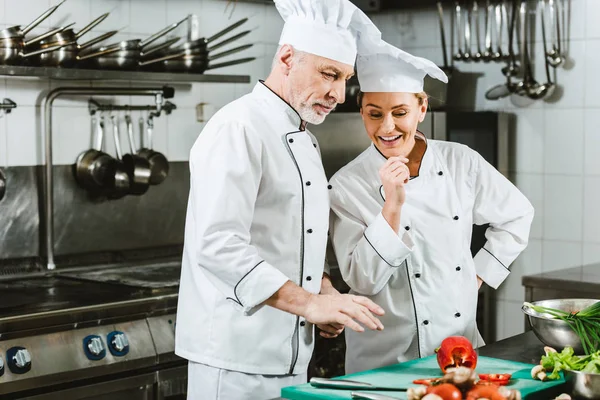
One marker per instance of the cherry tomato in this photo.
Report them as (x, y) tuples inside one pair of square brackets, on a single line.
[(446, 391)]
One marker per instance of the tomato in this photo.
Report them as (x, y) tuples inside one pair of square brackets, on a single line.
[(446, 391), (487, 391), (456, 351), (498, 379), (427, 382)]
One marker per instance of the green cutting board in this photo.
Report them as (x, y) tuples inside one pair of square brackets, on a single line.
[(402, 375)]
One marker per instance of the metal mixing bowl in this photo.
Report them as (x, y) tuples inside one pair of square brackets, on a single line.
[(554, 332), (582, 385)]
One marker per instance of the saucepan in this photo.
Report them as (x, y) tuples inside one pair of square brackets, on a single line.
[(138, 168), (18, 33), (122, 183), (12, 51), (70, 54), (95, 169), (188, 61), (202, 43), (159, 166), (69, 36)]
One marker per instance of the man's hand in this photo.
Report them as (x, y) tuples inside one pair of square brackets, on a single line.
[(343, 309), (479, 282)]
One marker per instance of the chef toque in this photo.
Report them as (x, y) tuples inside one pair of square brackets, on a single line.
[(382, 67), (326, 28)]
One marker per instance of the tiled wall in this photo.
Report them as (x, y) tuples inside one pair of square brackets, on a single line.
[(557, 151), (557, 146)]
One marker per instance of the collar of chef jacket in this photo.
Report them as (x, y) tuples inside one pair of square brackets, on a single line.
[(277, 105)]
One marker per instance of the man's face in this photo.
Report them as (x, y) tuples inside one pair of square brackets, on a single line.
[(316, 85)]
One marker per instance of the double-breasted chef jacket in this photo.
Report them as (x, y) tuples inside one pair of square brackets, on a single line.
[(257, 217), (424, 277)]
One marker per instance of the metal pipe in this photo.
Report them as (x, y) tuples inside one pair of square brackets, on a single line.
[(165, 92)]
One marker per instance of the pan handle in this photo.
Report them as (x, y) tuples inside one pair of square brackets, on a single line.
[(164, 58), (101, 52), (100, 139), (227, 41), (226, 30), (42, 17), (232, 62), (228, 52), (91, 25), (47, 34), (150, 128), (97, 39), (159, 47), (116, 136), (46, 50), (129, 124), (161, 33)]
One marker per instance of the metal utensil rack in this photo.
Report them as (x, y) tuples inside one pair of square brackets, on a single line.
[(159, 94)]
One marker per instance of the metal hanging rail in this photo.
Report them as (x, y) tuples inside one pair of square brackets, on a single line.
[(95, 107), (159, 94)]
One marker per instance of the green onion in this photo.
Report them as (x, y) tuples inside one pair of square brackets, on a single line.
[(585, 323)]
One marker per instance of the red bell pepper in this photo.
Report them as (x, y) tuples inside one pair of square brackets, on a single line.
[(456, 351)]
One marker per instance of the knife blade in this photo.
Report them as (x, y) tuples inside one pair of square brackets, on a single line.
[(345, 384), (370, 396)]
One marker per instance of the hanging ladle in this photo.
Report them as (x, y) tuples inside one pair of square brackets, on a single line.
[(511, 67), (504, 89), (545, 89), (487, 53), (459, 53), (554, 56)]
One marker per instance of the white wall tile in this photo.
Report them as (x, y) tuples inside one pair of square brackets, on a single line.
[(591, 253), (147, 18), (532, 186), (119, 14), (27, 11), (183, 131), (592, 10), (529, 262), (26, 91), (513, 318), (563, 142), (591, 211), (529, 157), (591, 76), (273, 25), (592, 141), (24, 141), (563, 203), (559, 254), (576, 14)]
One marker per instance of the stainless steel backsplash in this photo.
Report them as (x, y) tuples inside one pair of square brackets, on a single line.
[(141, 225)]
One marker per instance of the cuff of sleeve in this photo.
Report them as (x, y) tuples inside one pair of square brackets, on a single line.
[(257, 286), (391, 247), (490, 269)]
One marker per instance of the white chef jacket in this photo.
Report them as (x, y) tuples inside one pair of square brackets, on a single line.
[(424, 277), (257, 217)]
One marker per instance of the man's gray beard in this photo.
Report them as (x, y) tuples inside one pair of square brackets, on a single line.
[(307, 113)]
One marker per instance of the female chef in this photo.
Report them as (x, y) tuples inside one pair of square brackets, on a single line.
[(402, 219)]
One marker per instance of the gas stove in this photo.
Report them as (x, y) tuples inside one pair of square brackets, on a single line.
[(70, 336)]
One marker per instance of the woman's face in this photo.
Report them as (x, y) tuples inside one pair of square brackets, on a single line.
[(391, 121)]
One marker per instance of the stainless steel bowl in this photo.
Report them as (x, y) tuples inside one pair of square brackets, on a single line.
[(554, 332), (582, 385)]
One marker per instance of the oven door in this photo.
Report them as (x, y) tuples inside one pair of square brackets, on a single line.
[(172, 384), (139, 387)]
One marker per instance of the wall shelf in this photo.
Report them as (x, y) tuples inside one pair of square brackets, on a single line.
[(109, 75)]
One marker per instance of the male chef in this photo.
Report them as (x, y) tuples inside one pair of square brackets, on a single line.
[(253, 283)]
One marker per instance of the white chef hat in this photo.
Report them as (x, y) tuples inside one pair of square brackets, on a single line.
[(382, 67), (327, 28)]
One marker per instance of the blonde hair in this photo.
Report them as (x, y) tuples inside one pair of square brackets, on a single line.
[(422, 96)]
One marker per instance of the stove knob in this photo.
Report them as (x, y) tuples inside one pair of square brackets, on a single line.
[(1, 366), (119, 345), (18, 359), (93, 347)]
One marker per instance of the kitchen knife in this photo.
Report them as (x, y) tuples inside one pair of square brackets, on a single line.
[(370, 396), (325, 383)]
